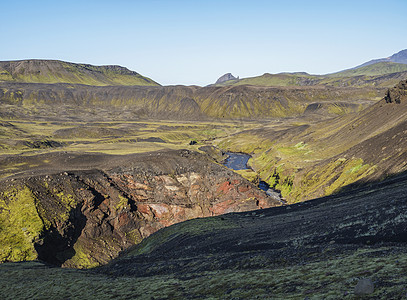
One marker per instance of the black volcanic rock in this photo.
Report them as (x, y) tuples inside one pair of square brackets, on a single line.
[(397, 94), (226, 77)]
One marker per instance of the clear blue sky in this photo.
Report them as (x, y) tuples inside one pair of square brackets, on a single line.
[(195, 42)]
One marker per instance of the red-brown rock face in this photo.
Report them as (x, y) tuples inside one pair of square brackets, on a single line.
[(105, 212), (169, 199)]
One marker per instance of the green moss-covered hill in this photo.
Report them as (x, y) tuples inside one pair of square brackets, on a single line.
[(382, 74), (55, 71)]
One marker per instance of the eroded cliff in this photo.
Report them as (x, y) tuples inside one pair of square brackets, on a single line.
[(85, 217)]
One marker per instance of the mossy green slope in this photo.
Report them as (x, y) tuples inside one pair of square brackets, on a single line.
[(20, 224), (24, 220), (54, 71)]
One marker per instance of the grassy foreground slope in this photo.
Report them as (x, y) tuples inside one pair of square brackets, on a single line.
[(55, 71), (314, 250)]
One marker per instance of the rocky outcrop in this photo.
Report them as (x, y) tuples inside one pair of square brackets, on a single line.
[(397, 94), (84, 218), (225, 77)]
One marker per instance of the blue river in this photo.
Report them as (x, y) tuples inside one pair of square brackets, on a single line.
[(238, 161)]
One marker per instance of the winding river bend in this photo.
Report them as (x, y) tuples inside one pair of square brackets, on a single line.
[(238, 161)]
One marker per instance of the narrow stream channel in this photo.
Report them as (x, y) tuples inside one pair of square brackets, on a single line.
[(238, 161)]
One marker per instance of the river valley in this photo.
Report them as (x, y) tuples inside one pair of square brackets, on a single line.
[(238, 161)]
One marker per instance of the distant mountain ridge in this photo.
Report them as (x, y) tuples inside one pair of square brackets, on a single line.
[(399, 57), (56, 71), (375, 69), (384, 72)]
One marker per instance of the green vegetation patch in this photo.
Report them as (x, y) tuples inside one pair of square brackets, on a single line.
[(341, 110), (82, 258), (330, 178), (245, 143), (352, 171), (67, 202), (20, 224), (299, 150), (248, 174), (123, 203), (134, 236)]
